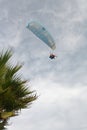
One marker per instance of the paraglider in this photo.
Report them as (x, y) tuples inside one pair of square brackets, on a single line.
[(42, 33)]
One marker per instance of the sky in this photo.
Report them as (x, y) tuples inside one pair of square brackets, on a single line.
[(61, 83)]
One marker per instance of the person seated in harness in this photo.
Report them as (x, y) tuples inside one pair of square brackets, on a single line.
[(52, 56)]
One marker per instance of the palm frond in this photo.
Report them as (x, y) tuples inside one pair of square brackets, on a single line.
[(5, 57), (14, 93), (11, 71)]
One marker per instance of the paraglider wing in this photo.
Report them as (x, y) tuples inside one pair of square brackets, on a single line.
[(41, 32)]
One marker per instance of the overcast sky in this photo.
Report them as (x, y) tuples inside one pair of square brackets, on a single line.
[(61, 83)]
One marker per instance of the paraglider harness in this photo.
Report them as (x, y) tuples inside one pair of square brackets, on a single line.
[(52, 56)]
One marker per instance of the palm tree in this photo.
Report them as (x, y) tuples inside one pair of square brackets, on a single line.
[(3, 124), (14, 92)]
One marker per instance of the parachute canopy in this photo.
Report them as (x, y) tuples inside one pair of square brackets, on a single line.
[(41, 32)]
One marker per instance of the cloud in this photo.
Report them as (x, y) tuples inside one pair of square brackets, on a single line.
[(61, 83), (64, 108)]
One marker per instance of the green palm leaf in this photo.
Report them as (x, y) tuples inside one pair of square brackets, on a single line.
[(14, 92)]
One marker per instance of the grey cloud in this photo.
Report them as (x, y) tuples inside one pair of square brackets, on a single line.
[(66, 20), (64, 115)]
